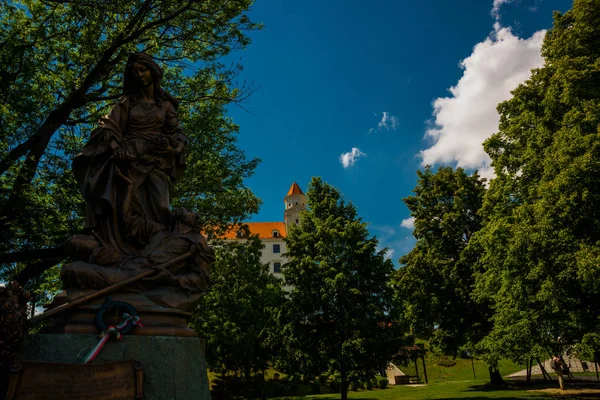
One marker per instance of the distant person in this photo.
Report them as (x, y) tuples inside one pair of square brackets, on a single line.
[(557, 365)]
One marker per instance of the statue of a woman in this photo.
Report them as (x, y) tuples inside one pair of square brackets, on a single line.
[(125, 173)]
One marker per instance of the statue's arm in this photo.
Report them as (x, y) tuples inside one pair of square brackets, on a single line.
[(111, 127), (117, 125)]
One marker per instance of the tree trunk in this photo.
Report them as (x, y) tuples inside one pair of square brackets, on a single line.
[(495, 377), (343, 382), (545, 374), (263, 386), (416, 369)]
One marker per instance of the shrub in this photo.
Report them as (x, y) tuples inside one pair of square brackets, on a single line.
[(446, 362), (354, 385), (276, 376), (334, 384), (323, 379), (276, 389), (315, 388), (369, 385), (382, 382)]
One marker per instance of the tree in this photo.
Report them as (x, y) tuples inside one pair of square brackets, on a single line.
[(540, 245), (341, 314), (238, 316), (61, 64), (437, 276)]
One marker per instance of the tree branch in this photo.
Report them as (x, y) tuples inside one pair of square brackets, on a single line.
[(38, 143), (34, 270), (28, 255)]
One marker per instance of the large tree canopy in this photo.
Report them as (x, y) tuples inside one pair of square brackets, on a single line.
[(540, 246), (238, 316), (436, 279), (341, 315), (61, 66)]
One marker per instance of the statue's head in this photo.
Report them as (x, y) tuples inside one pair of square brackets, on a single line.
[(131, 82), (135, 63)]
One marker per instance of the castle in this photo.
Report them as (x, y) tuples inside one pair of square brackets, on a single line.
[(273, 233)]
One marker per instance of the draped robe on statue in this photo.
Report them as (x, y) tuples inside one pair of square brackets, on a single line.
[(129, 225)]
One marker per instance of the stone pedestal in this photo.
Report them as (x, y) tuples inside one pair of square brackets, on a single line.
[(174, 367), (157, 320)]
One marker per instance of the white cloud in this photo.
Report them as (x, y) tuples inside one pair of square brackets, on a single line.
[(385, 229), (408, 223), (388, 122), (496, 8), (463, 121), (389, 238), (348, 159), (389, 254)]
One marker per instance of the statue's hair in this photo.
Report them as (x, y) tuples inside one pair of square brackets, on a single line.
[(129, 83)]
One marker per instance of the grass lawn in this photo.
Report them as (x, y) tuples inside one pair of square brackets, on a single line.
[(461, 371), (449, 379), (268, 375), (473, 389)]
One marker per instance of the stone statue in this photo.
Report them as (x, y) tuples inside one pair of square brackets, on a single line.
[(126, 173)]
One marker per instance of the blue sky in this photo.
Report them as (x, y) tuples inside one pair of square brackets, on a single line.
[(363, 93)]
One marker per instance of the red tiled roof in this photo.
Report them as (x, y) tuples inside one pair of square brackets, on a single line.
[(295, 189), (263, 229)]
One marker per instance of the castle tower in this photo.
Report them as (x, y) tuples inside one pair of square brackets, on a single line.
[(295, 203)]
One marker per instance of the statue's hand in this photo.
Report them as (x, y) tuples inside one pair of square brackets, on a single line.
[(175, 150), (120, 154), (175, 147)]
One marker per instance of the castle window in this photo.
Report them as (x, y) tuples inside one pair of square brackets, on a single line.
[(276, 248), (296, 220), (275, 233), (277, 267)]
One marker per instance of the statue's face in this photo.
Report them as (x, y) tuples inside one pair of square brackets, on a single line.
[(141, 74)]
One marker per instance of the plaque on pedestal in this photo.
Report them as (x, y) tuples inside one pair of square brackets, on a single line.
[(121, 380)]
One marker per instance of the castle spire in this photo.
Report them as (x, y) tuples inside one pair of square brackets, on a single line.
[(294, 189), (295, 203)]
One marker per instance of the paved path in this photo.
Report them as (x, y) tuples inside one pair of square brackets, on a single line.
[(575, 365)]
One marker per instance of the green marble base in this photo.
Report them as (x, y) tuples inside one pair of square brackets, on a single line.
[(174, 367)]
